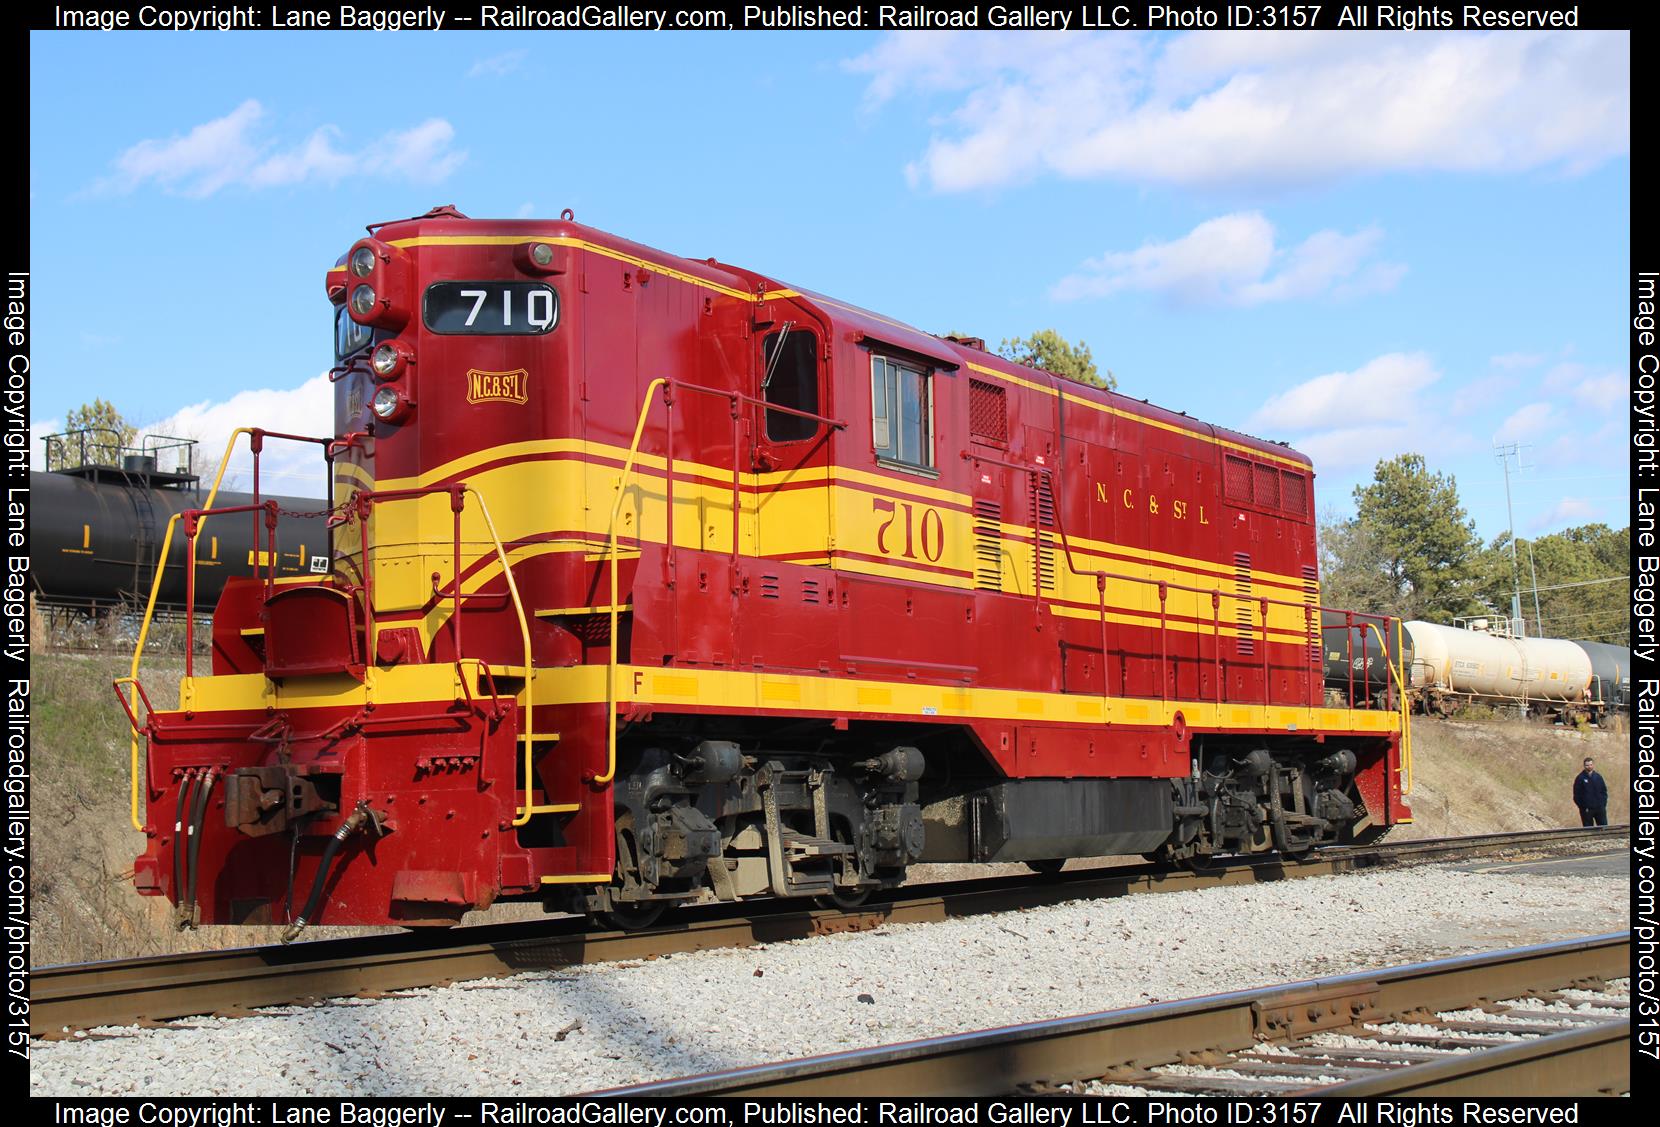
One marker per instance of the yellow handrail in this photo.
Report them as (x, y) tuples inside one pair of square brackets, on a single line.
[(155, 591), (1400, 686), (611, 556), (528, 736)]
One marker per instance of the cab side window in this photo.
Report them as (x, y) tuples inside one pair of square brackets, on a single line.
[(902, 413), (791, 380)]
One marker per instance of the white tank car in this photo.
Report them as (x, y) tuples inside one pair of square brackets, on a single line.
[(1482, 663)]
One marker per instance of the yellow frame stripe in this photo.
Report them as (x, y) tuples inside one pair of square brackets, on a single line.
[(782, 693)]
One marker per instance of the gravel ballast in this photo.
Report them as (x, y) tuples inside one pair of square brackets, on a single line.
[(606, 1025)]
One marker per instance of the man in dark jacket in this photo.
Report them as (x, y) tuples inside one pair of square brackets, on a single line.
[(1591, 796)]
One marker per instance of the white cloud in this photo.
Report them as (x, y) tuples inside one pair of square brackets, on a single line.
[(1601, 393), (233, 151), (525, 210), (1385, 389), (496, 66), (1234, 260), (1568, 512), (1512, 360), (284, 467), (1479, 395), (1254, 107), (1525, 422), (1347, 420)]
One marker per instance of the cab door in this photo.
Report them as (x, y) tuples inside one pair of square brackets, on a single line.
[(791, 451), (788, 582)]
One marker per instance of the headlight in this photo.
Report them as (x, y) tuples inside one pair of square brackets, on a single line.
[(386, 403), (541, 254), (363, 300), (386, 360), (363, 262)]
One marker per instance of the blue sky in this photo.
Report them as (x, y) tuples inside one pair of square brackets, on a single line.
[(1362, 243)]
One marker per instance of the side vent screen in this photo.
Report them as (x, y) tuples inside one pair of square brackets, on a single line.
[(1244, 618), (1294, 493), (1267, 486), (1311, 598), (1236, 478), (1043, 546), (988, 412)]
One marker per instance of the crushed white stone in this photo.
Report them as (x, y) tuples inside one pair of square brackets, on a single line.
[(712, 1010)]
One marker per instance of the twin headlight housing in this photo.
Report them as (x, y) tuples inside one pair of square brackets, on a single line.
[(379, 291)]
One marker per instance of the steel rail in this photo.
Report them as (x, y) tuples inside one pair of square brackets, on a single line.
[(1003, 1061), (156, 988)]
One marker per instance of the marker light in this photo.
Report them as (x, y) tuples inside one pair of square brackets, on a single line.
[(363, 261), (363, 301), (541, 254)]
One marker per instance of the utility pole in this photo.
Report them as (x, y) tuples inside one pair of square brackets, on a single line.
[(1538, 618), (1504, 452)]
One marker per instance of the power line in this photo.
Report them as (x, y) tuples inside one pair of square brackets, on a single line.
[(1588, 583)]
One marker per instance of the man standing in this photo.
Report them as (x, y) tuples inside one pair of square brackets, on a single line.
[(1591, 796)]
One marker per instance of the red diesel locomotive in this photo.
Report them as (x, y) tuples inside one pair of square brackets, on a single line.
[(655, 580)]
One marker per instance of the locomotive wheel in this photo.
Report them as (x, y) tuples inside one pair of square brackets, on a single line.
[(1049, 866), (634, 915), (845, 899)]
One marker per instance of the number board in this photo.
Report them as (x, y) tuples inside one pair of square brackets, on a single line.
[(495, 308)]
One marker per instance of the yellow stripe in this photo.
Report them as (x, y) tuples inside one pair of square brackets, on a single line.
[(762, 692), (1108, 409), (715, 476), (584, 244)]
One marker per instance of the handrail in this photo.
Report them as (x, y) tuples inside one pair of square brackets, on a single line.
[(1400, 687), (1164, 585), (155, 592), (528, 735), (611, 565), (363, 501), (161, 568), (668, 385)]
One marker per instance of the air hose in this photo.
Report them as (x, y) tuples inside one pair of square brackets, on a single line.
[(354, 821), (181, 835), (204, 790)]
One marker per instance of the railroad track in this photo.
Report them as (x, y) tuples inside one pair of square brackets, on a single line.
[(1495, 1024), (72, 997)]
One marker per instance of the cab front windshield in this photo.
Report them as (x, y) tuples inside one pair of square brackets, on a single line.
[(350, 338)]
